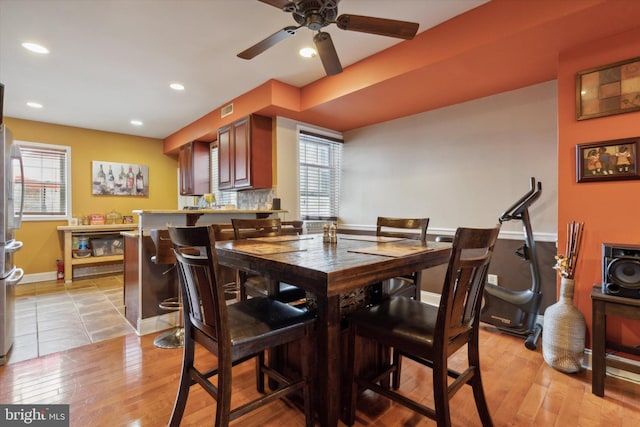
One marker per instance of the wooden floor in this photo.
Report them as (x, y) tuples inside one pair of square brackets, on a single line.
[(126, 381)]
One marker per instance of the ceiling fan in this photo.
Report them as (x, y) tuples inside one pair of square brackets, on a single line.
[(317, 14)]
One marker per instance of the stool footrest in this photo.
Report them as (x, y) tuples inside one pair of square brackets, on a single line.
[(171, 304)]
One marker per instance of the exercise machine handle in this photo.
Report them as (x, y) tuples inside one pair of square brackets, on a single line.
[(524, 202)]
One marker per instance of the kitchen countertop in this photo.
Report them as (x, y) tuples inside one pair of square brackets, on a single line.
[(207, 211), (158, 218)]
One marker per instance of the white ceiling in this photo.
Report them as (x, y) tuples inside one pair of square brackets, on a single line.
[(113, 60)]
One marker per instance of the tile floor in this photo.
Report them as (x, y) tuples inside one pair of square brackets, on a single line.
[(54, 316)]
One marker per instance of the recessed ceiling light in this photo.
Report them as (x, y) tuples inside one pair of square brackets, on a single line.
[(136, 122), (34, 104), (34, 47), (308, 52), (176, 86)]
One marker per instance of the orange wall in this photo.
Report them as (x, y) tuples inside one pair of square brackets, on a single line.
[(610, 210), (42, 241)]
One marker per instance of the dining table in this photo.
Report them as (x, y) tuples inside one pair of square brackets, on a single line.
[(327, 271)]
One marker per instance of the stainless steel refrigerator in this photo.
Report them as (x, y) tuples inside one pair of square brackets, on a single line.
[(11, 200)]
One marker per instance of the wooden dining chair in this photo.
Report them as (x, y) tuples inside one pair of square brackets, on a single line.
[(255, 285), (406, 228), (222, 232), (233, 333), (292, 227), (429, 335)]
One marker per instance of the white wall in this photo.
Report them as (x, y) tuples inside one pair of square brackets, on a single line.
[(460, 166), (286, 187)]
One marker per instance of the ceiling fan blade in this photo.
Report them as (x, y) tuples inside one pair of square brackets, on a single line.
[(327, 53), (265, 44), (380, 26), (280, 4)]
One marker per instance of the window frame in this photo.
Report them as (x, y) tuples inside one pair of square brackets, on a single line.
[(67, 178), (334, 203)]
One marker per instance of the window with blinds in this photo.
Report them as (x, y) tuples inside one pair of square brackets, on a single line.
[(222, 197), (320, 169), (46, 178)]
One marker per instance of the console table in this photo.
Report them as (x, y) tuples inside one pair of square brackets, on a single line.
[(602, 306), (90, 231)]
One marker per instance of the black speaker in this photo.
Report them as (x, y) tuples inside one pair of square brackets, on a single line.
[(621, 270)]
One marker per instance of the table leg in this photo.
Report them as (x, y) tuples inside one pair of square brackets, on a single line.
[(598, 338), (328, 369)]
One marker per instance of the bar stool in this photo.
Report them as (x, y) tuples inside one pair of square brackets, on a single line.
[(173, 338)]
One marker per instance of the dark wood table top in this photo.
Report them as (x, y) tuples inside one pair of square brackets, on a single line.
[(329, 269)]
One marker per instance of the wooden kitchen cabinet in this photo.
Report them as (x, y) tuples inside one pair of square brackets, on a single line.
[(244, 154), (194, 168)]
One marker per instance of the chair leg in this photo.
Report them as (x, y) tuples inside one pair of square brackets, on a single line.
[(441, 393), (476, 385), (259, 374), (397, 362), (352, 389), (185, 383), (223, 401)]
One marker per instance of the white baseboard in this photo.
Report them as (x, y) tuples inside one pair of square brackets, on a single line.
[(38, 277), (615, 372), (430, 298)]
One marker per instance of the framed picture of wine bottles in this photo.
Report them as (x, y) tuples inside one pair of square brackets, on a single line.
[(119, 179)]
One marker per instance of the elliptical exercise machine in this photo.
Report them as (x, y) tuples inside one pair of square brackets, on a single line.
[(514, 311)]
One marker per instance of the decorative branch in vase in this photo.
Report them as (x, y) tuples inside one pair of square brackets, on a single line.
[(566, 264), (563, 334)]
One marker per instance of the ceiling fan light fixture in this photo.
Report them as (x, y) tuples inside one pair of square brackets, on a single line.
[(308, 52), (36, 48), (317, 14)]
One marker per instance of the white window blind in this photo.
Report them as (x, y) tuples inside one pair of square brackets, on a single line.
[(222, 197), (46, 180), (320, 169)]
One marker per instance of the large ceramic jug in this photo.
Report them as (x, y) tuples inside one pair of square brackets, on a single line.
[(563, 333)]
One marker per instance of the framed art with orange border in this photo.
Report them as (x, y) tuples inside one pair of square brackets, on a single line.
[(607, 160), (607, 90)]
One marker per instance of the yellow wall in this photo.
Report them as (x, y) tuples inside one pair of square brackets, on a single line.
[(42, 241)]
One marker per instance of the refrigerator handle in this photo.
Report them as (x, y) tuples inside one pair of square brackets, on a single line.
[(14, 246), (21, 188), (15, 277)]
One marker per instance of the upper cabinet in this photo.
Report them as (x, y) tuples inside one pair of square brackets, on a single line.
[(244, 154), (194, 168)]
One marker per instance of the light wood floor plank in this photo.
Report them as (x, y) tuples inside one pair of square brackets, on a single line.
[(127, 381)]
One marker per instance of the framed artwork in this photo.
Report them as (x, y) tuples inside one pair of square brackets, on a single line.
[(607, 90), (119, 179), (607, 160)]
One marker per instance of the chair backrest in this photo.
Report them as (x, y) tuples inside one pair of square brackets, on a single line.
[(203, 297), (264, 227), (164, 250), (389, 227), (223, 232), (464, 282), (292, 227)]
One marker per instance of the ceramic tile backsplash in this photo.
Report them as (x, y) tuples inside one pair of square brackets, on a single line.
[(255, 199), (247, 199)]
